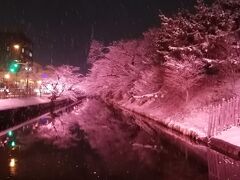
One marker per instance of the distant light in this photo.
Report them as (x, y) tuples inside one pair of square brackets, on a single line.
[(44, 75), (12, 70), (10, 133), (37, 91), (13, 144), (7, 76), (39, 82), (12, 163), (27, 68), (16, 46)]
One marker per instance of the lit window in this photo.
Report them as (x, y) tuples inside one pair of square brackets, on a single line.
[(23, 50)]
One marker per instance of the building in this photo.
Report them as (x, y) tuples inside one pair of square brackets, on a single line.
[(14, 46), (16, 58)]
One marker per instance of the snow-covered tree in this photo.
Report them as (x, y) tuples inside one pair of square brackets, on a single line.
[(96, 51), (190, 45), (176, 56), (114, 74), (63, 81), (181, 76), (210, 33)]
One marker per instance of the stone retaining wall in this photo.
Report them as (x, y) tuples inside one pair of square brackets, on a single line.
[(12, 117)]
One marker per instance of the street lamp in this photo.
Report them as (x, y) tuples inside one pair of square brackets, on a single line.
[(16, 46), (28, 69)]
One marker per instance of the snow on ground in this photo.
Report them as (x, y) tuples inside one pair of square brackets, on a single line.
[(21, 102), (192, 118), (231, 135), (13, 103)]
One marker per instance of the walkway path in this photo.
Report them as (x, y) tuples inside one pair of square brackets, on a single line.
[(13, 103)]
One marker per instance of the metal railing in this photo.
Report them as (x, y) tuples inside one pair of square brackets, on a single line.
[(16, 93)]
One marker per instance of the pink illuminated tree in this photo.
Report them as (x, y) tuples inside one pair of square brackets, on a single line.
[(95, 52), (174, 57), (210, 33), (190, 46), (182, 76), (62, 81), (114, 73), (124, 71)]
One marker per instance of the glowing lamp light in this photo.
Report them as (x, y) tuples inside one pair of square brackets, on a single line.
[(39, 82), (14, 66), (10, 133), (16, 46), (37, 91), (12, 70), (13, 144), (12, 163), (7, 76)]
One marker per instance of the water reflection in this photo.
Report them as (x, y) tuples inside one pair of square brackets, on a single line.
[(12, 165), (92, 142), (222, 167)]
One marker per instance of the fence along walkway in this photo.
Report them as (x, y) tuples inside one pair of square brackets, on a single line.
[(223, 116)]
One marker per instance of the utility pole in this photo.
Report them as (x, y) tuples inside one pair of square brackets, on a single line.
[(27, 68)]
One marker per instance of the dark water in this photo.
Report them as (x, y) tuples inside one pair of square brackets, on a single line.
[(94, 143)]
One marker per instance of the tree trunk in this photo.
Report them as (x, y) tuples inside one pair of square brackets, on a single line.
[(52, 108)]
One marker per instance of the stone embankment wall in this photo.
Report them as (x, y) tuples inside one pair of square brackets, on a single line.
[(12, 117)]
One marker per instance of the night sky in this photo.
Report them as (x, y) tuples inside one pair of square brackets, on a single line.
[(61, 30)]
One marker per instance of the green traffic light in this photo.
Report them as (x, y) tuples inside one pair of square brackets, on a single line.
[(14, 67), (13, 144), (10, 133), (12, 70)]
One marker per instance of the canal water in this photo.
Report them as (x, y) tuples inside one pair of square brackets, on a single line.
[(93, 142)]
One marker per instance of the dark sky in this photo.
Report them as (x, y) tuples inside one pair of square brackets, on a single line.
[(60, 29)]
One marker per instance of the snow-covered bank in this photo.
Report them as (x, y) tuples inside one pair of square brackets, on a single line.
[(21, 102), (193, 124), (231, 135), (14, 103)]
